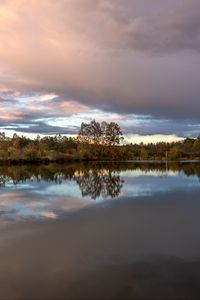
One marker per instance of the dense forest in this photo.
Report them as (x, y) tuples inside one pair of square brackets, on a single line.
[(95, 141)]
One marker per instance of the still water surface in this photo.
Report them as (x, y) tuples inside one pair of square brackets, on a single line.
[(100, 230)]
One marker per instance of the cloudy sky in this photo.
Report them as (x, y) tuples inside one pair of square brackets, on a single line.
[(135, 62)]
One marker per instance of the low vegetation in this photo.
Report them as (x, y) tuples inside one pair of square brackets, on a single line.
[(95, 141)]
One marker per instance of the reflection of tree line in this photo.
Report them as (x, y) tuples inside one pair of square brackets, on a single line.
[(94, 179)]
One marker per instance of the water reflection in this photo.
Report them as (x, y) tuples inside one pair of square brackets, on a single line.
[(96, 183), (145, 245), (58, 173), (48, 191)]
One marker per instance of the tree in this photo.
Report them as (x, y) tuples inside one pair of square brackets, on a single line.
[(113, 134), (2, 136), (196, 146), (90, 133), (109, 134)]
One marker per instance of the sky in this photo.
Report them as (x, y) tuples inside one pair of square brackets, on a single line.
[(64, 62)]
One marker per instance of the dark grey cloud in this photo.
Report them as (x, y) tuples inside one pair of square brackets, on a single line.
[(151, 126), (40, 128), (171, 29), (153, 26)]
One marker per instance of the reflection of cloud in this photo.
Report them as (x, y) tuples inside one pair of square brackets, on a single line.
[(21, 204), (152, 173), (49, 200), (48, 215)]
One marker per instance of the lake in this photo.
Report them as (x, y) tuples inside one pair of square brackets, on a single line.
[(100, 230)]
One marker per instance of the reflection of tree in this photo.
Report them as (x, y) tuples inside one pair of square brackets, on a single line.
[(2, 181), (94, 179), (96, 183)]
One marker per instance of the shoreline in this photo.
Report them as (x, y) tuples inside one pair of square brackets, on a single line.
[(47, 161), (61, 161)]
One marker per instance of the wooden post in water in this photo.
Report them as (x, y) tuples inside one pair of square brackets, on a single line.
[(166, 166)]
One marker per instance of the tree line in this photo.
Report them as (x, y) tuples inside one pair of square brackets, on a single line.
[(95, 141)]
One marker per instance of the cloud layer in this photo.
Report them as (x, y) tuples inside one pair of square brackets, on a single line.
[(119, 57)]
